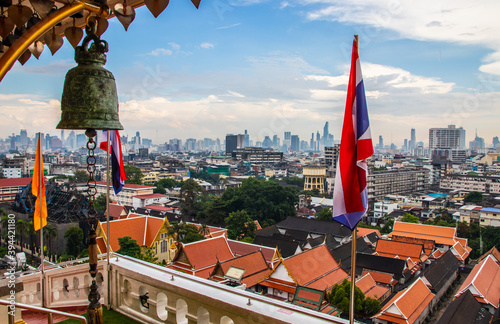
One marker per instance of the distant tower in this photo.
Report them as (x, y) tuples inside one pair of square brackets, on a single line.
[(413, 140), (325, 134), (380, 142), (246, 141)]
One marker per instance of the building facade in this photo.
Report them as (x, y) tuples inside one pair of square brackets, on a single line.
[(400, 182)]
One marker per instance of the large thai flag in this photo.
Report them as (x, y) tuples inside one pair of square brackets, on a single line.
[(117, 169), (350, 197)]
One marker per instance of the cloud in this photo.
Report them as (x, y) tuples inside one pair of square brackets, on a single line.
[(230, 26), (161, 51), (207, 45), (28, 111), (461, 21), (56, 68)]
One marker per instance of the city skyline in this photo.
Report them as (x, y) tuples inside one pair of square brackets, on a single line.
[(271, 67)]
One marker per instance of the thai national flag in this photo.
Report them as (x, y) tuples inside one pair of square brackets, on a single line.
[(350, 197), (117, 169)]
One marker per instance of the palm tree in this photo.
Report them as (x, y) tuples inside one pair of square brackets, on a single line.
[(30, 232), (204, 230), (49, 233), (22, 227), (4, 221)]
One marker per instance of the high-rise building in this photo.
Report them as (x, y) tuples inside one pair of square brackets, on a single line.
[(325, 134), (496, 142), (380, 142), (413, 139), (276, 141), (312, 145), (477, 143), (234, 142), (448, 143), (246, 142), (24, 138), (295, 143), (447, 138)]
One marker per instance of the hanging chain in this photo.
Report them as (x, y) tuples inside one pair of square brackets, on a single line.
[(91, 183)]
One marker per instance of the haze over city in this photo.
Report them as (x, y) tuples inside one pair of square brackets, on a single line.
[(270, 67)]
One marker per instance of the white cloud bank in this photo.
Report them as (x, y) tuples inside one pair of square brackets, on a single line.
[(460, 21)]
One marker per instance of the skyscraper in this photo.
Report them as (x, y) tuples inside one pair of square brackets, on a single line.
[(295, 143), (246, 141), (325, 134), (380, 142), (451, 137), (413, 140)]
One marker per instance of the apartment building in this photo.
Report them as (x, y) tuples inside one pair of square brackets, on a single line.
[(484, 184), (399, 182)]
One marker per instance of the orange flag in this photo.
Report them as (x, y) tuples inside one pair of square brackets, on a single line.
[(38, 189)]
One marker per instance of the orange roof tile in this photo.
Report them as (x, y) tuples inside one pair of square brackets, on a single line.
[(494, 252), (438, 234), (117, 211), (310, 264), (241, 248), (381, 277), (101, 244), (411, 302), (365, 283), (275, 285), (484, 281), (428, 244), (361, 231), (207, 252), (370, 288), (141, 228), (377, 292), (252, 263), (402, 249), (329, 280)]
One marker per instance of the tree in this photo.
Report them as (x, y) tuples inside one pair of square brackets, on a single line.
[(325, 214), (166, 183), (339, 297), (474, 197), (80, 176), (21, 226), (190, 194), (134, 174), (148, 255), (388, 226), (74, 243), (262, 200), (409, 218), (215, 212), (50, 232), (100, 203), (239, 224), (129, 247)]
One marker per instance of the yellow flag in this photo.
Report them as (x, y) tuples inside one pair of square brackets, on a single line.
[(38, 189)]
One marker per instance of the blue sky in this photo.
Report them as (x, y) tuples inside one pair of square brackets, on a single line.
[(275, 66)]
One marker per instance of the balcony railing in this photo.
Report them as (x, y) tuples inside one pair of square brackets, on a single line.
[(150, 293)]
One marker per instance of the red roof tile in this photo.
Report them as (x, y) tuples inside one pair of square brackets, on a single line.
[(155, 195), (141, 228), (399, 248), (410, 303), (15, 182), (242, 248), (484, 281), (438, 234), (311, 264), (207, 252)]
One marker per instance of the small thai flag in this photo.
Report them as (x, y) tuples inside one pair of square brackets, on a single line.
[(350, 196), (117, 169)]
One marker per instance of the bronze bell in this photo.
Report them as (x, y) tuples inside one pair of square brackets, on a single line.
[(89, 98)]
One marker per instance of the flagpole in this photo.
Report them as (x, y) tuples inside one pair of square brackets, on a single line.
[(108, 152), (353, 253), (40, 200), (353, 274)]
